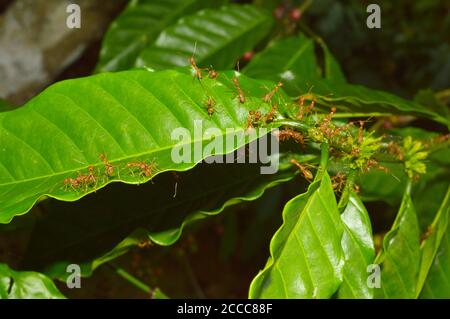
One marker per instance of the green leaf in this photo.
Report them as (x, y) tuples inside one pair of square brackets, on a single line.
[(306, 256), (129, 116), (26, 285), (332, 69), (400, 256), (429, 100), (291, 60), (359, 99), (138, 26), (434, 278), (376, 185), (66, 233), (358, 248), (216, 38)]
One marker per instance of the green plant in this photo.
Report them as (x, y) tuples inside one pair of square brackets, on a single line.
[(81, 140)]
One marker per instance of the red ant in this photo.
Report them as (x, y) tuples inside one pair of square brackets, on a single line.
[(82, 180), (271, 114), (145, 244), (197, 70), (305, 172), (145, 168), (270, 95), (253, 118), (213, 74), (109, 169), (210, 105), (238, 88), (72, 182), (338, 181), (304, 110), (290, 133)]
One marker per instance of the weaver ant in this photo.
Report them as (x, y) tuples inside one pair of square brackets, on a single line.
[(288, 133), (338, 181), (109, 169), (146, 169), (241, 95), (213, 74), (271, 114), (210, 105), (145, 244), (253, 118), (82, 180), (197, 70), (305, 172), (304, 110), (72, 182), (270, 95)]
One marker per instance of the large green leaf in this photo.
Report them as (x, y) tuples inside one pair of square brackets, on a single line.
[(26, 285), (434, 279), (138, 26), (218, 38), (306, 256), (68, 230), (294, 61), (291, 59), (358, 248), (400, 256), (128, 116)]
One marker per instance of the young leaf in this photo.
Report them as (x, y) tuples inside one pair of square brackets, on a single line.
[(26, 285), (434, 278), (400, 256), (138, 26), (216, 38), (306, 256), (358, 248), (130, 117)]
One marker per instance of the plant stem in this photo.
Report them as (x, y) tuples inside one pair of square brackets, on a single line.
[(343, 201), (130, 278), (191, 275), (304, 6), (324, 155)]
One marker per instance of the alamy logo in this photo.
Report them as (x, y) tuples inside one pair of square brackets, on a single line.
[(73, 20), (374, 19), (374, 279), (206, 144), (74, 279)]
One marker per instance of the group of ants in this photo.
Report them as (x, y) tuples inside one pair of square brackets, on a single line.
[(147, 169)]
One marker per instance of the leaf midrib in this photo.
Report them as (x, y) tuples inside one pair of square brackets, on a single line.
[(120, 159)]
